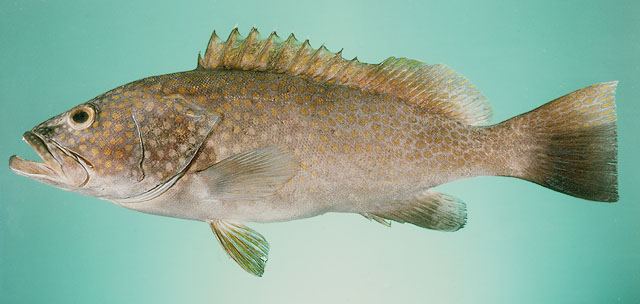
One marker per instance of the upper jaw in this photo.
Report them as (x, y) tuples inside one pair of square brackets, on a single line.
[(57, 168)]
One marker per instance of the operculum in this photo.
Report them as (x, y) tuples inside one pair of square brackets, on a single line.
[(171, 132)]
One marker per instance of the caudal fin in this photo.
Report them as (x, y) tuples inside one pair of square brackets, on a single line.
[(570, 143)]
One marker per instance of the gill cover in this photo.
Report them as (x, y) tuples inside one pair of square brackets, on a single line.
[(170, 133)]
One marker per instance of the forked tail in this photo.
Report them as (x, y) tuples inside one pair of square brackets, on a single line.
[(569, 144)]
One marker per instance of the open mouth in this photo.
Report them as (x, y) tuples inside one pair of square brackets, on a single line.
[(60, 166), (47, 169)]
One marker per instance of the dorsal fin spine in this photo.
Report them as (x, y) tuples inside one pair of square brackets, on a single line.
[(242, 59), (299, 60), (313, 68), (213, 51), (334, 67), (281, 62), (227, 55), (266, 50), (338, 77), (200, 65)]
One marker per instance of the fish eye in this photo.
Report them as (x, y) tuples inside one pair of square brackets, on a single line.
[(81, 117)]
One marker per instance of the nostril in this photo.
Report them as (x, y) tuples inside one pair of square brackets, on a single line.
[(44, 130)]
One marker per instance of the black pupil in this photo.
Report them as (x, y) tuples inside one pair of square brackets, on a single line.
[(80, 116)]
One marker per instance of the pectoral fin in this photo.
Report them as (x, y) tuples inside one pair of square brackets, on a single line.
[(244, 245), (428, 209), (250, 175)]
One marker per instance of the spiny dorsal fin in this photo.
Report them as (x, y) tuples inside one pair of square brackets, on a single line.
[(436, 88)]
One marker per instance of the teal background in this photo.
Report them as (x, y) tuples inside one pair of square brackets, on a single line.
[(523, 243)]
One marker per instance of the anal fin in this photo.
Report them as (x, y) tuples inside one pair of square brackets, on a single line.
[(428, 209), (244, 245)]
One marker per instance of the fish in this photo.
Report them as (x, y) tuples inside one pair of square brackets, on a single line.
[(270, 130)]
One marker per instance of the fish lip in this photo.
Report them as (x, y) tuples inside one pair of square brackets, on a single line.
[(60, 166), (47, 168)]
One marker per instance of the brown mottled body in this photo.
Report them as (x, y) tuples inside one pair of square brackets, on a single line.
[(356, 149)]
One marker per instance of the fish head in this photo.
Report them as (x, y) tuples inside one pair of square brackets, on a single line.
[(83, 149), (119, 146)]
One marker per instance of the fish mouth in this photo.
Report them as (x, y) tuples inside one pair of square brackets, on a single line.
[(58, 167), (48, 167)]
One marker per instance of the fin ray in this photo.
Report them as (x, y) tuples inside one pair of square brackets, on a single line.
[(250, 175), (244, 245), (428, 209), (570, 143)]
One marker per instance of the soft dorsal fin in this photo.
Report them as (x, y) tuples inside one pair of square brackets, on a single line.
[(436, 88)]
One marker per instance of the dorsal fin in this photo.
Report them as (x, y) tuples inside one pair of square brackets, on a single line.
[(436, 88)]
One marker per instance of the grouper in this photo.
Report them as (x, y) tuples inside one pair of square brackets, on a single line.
[(270, 129)]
